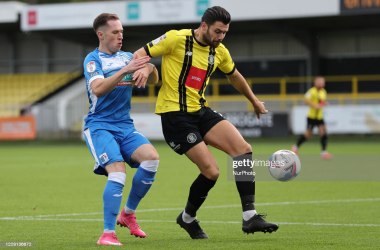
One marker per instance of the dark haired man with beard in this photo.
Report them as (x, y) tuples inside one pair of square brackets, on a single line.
[(189, 59)]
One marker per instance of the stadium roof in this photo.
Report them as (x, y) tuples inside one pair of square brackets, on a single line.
[(73, 21)]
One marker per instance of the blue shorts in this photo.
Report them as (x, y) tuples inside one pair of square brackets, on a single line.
[(109, 143)]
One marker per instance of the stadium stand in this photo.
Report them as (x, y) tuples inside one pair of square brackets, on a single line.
[(279, 52), (18, 91)]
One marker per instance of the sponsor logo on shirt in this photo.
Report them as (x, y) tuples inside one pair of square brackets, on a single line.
[(95, 73), (158, 40), (195, 78), (127, 80), (124, 83)]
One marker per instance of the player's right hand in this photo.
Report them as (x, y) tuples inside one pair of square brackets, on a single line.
[(259, 108), (136, 63)]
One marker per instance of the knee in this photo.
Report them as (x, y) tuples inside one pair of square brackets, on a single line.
[(211, 173), (308, 134), (115, 167), (214, 175), (244, 148), (152, 156), (323, 132), (248, 148)]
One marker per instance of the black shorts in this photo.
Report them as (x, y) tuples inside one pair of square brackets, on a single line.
[(314, 122), (183, 130)]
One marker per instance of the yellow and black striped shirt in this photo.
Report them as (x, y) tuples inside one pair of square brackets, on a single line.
[(316, 96), (186, 68)]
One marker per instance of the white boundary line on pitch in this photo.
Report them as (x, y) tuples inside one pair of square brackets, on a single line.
[(217, 222), (39, 217)]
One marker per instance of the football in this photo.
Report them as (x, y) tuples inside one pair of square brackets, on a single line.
[(284, 165)]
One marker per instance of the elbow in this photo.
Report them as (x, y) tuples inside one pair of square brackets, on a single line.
[(97, 92), (155, 79)]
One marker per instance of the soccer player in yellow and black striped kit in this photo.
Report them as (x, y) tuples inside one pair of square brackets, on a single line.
[(188, 124), (316, 99)]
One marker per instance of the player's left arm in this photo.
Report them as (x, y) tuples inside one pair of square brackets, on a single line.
[(153, 76), (160, 46), (238, 81)]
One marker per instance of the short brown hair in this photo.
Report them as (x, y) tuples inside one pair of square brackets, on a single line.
[(102, 20), (216, 13)]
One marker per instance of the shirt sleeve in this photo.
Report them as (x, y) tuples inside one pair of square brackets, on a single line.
[(227, 66), (162, 45), (308, 95), (92, 69)]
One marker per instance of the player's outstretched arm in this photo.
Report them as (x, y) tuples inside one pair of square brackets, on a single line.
[(309, 103), (238, 81), (140, 52), (101, 87), (153, 76)]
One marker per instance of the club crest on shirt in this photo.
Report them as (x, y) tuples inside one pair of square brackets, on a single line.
[(211, 59), (158, 40), (90, 66)]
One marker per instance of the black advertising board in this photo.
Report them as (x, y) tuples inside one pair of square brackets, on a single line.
[(270, 124)]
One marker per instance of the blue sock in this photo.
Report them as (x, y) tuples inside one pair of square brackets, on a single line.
[(111, 199), (142, 181)]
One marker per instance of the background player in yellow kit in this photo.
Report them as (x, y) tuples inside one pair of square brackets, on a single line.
[(316, 99)]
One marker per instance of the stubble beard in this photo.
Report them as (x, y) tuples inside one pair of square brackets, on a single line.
[(207, 40)]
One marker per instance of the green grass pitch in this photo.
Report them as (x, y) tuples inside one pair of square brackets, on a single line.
[(49, 196)]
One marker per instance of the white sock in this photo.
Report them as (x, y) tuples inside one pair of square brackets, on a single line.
[(187, 218), (127, 210), (107, 231), (248, 214)]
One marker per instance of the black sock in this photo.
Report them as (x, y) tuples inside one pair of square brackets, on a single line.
[(198, 193), (246, 185), (324, 142), (301, 140)]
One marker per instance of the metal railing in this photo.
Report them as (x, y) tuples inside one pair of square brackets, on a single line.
[(282, 95)]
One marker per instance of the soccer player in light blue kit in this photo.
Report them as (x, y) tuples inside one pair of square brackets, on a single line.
[(109, 131)]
